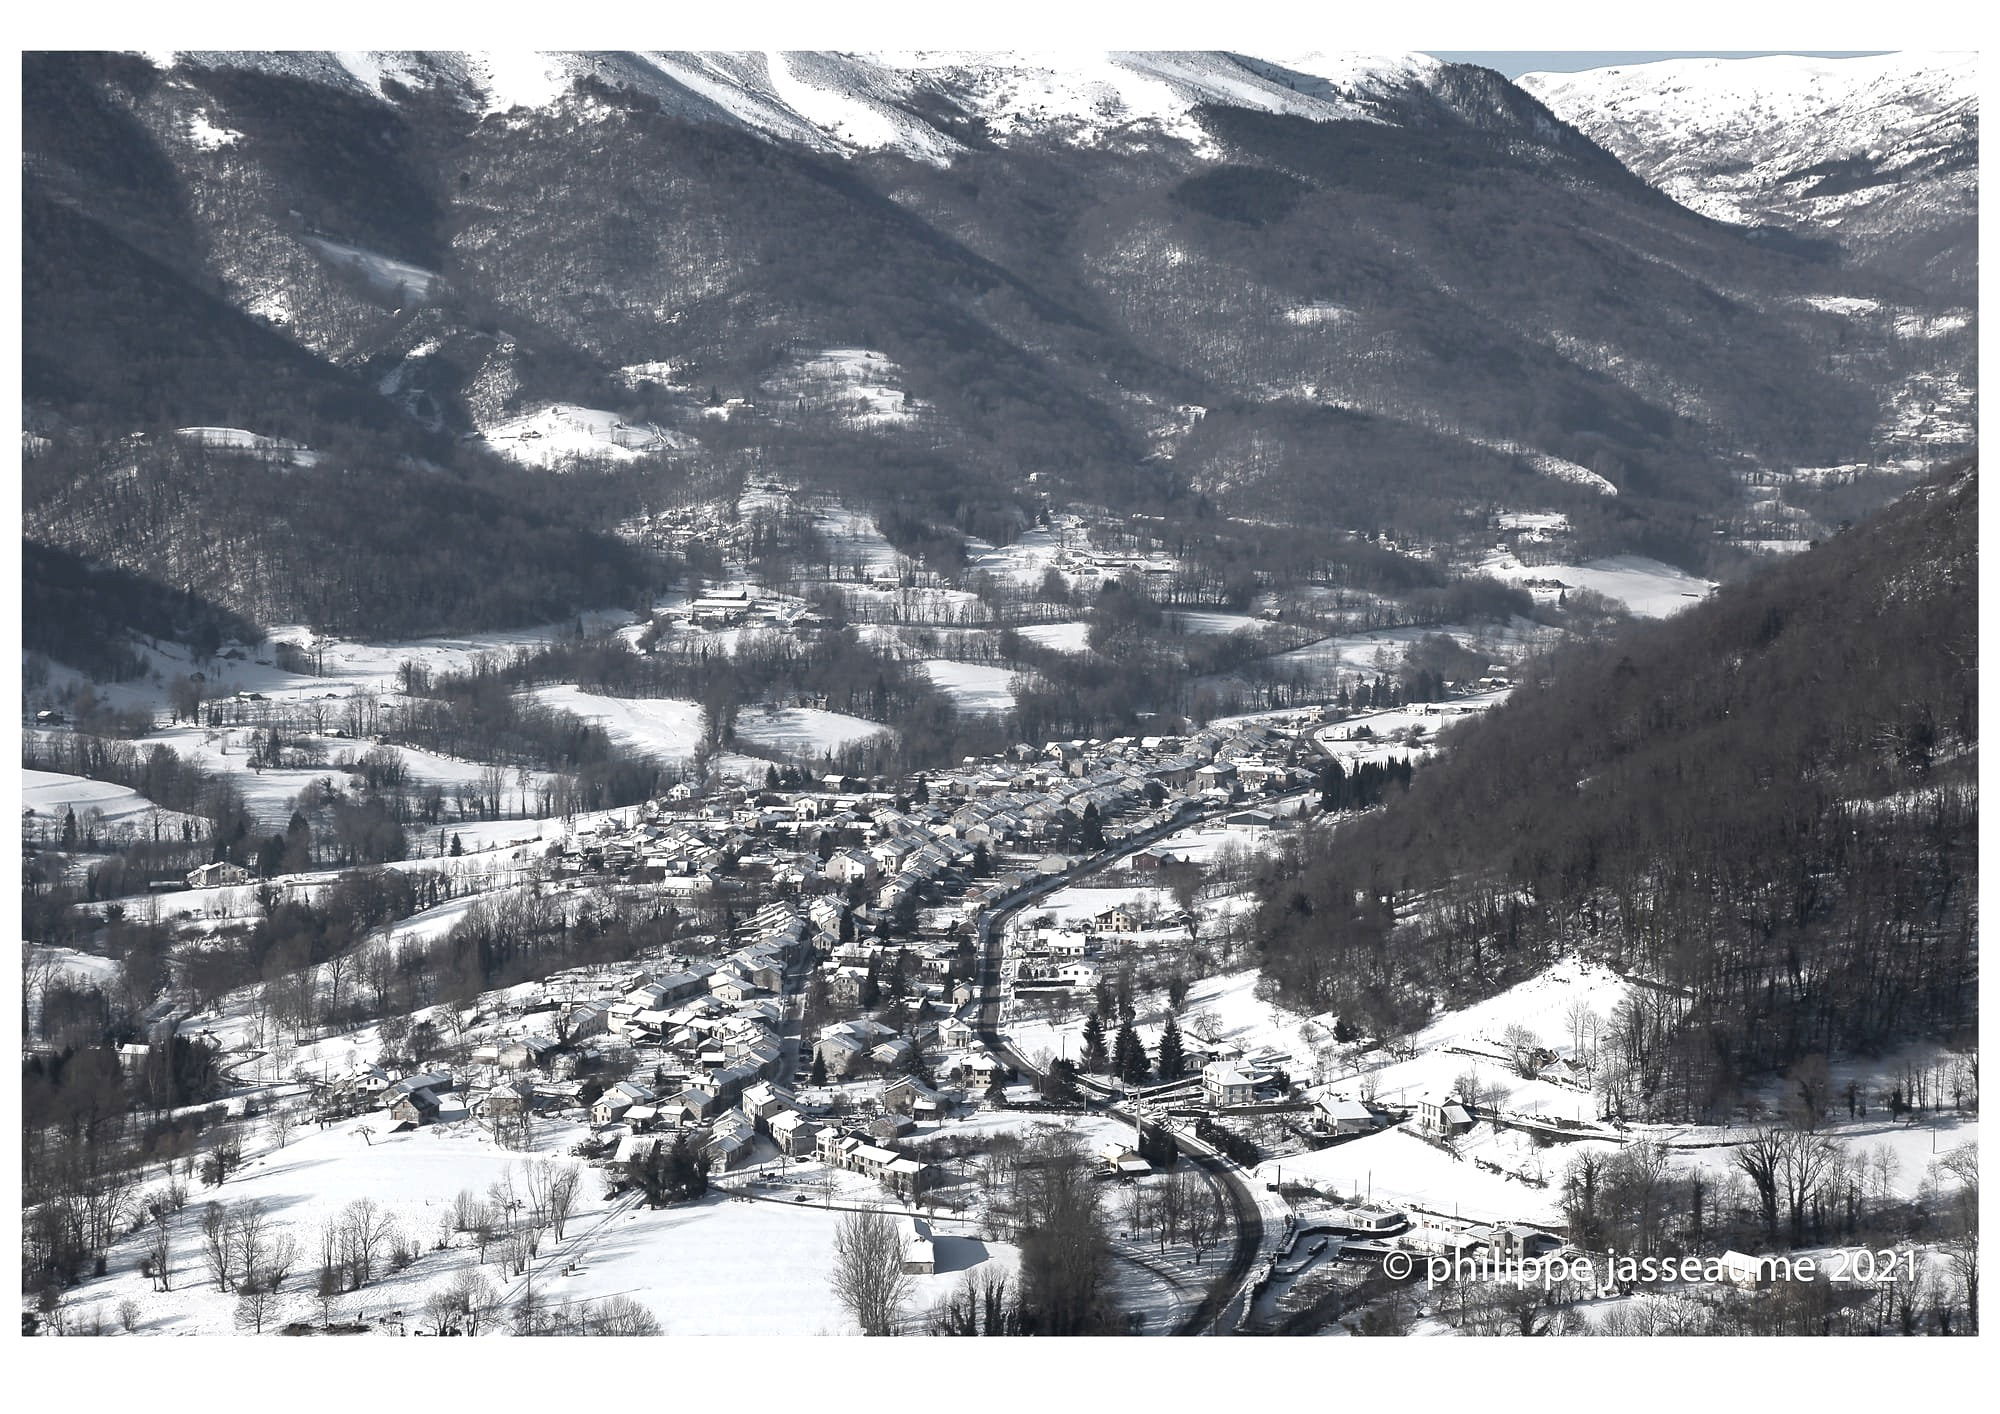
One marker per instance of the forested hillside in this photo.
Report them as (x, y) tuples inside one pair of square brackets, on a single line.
[(1766, 808), (348, 544)]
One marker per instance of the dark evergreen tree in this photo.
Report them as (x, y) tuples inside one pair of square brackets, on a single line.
[(1059, 1083), (1129, 1055), (1173, 1052), (1094, 1054)]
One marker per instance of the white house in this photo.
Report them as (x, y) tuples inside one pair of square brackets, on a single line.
[(217, 875), (1443, 1116), (1226, 1083), (918, 1254)]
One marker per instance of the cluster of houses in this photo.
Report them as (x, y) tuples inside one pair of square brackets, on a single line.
[(702, 1041), (860, 861), (1036, 805), (409, 1101)]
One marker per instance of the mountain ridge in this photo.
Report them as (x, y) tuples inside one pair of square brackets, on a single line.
[(1880, 151), (1351, 297)]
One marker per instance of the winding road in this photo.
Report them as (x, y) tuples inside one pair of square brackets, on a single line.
[(1248, 1218)]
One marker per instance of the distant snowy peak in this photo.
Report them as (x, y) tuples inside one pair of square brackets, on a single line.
[(912, 101), (927, 104), (1713, 97), (1803, 141)]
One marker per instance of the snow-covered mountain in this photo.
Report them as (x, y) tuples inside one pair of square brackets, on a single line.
[(1876, 151), (926, 104), (1330, 292)]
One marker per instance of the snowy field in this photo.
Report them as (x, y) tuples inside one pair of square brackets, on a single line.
[(973, 687), (1224, 1008), (1534, 524), (1023, 564), (1381, 650), (1402, 731), (1200, 844), (1396, 1168), (346, 665), (1064, 638), (1078, 904), (923, 604), (1650, 589), (78, 967), (412, 1177), (725, 1266), (48, 794), (1471, 1040), (551, 437), (861, 386), (268, 792), (238, 439), (803, 731), (721, 1266), (1212, 621), (666, 728), (854, 541)]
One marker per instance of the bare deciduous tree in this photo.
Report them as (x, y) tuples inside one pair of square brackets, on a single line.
[(279, 1122), (1581, 1023), (1206, 1222), (868, 1274), (253, 1308), (362, 1232), (248, 1237), (1803, 1160), (1521, 1046), (564, 1187), (1759, 1159), (217, 1246), (160, 1252)]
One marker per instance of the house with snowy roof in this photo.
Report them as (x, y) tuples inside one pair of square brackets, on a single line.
[(793, 1133), (848, 866), (1746, 1272), (1344, 1116), (1227, 1083), (919, 1254), (614, 1102), (526, 1052), (733, 987), (691, 1106), (438, 1082), (907, 1095), (1443, 1115), (414, 1108), (1121, 1162)]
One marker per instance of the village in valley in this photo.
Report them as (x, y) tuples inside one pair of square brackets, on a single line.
[(922, 693), (638, 1068), (852, 996)]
